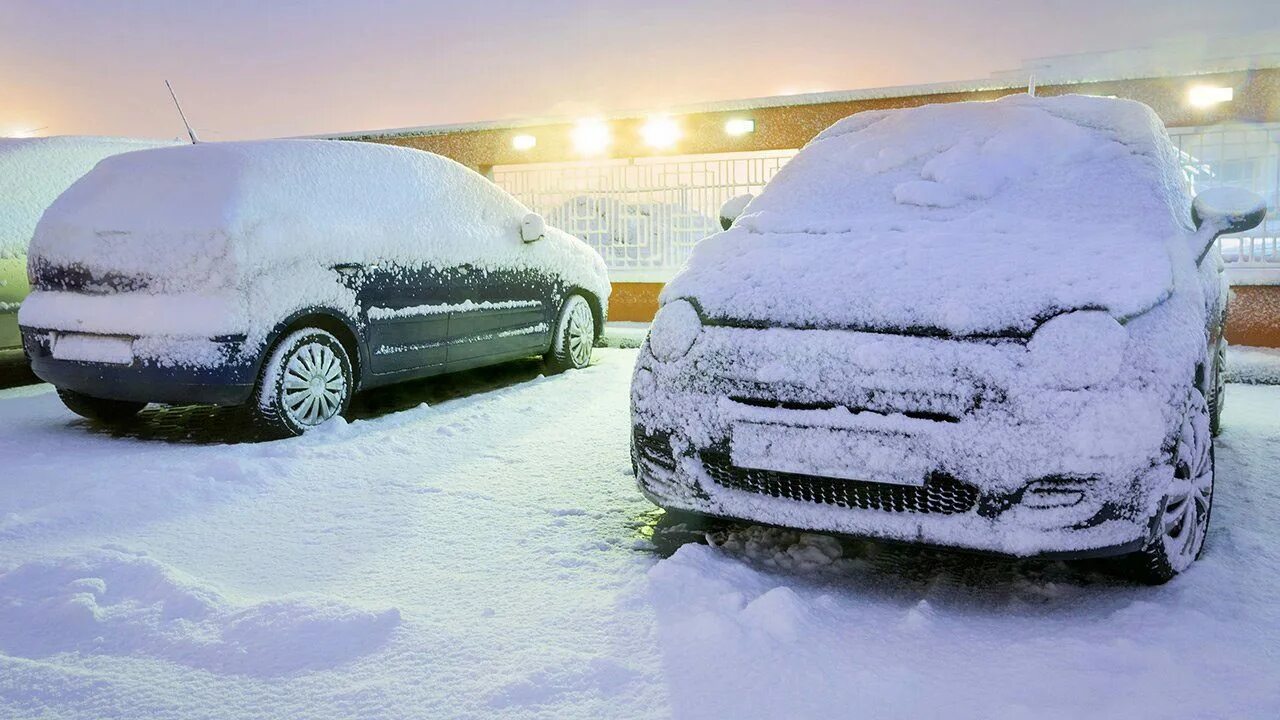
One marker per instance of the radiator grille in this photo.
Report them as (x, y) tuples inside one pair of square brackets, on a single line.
[(940, 495)]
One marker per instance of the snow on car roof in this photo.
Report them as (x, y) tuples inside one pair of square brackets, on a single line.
[(266, 202), (34, 171), (970, 218)]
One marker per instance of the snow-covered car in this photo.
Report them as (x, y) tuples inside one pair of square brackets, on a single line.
[(994, 326), (290, 274), (33, 172)]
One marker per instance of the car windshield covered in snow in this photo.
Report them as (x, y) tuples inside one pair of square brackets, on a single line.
[(965, 219)]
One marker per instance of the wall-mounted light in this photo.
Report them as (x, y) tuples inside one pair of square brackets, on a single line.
[(660, 132), (1208, 96), (524, 142), (591, 137), (740, 126)]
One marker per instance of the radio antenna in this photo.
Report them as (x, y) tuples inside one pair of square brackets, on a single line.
[(190, 133)]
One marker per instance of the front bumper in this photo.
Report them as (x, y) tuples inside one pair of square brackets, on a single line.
[(944, 512), (1009, 469), (222, 371)]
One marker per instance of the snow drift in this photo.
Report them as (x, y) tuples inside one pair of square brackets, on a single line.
[(121, 603)]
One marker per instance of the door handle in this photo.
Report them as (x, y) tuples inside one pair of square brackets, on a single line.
[(348, 268)]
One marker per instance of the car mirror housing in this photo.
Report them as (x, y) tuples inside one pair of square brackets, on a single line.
[(1224, 210), (732, 208), (532, 227)]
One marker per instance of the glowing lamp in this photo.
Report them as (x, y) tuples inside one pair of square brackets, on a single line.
[(1207, 96), (660, 132), (591, 137)]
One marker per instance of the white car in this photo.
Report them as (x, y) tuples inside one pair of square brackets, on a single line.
[(992, 326), (287, 275), (33, 172)]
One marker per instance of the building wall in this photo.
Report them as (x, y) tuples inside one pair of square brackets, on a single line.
[(784, 126)]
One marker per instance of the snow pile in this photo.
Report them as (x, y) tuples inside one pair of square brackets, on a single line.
[(1253, 365), (35, 171), (119, 603), (254, 229), (966, 217)]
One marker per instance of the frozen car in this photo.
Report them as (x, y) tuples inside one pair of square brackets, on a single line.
[(991, 326), (290, 274), (33, 172)]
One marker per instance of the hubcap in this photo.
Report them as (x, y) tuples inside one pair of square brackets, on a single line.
[(314, 385), (1186, 512), (581, 334)]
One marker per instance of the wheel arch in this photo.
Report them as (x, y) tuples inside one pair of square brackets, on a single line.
[(332, 321)]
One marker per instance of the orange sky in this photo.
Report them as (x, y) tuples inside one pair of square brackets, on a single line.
[(262, 69)]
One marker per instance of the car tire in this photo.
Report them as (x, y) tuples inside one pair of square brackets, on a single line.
[(1217, 389), (306, 381), (100, 409), (574, 338), (1182, 523)]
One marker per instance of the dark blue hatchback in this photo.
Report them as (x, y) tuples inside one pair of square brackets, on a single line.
[(290, 274)]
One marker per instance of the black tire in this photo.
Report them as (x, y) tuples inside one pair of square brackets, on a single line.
[(1218, 389), (575, 335), (100, 409), (1182, 523), (305, 381)]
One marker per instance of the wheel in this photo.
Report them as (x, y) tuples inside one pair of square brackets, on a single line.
[(575, 336), (1183, 521), (1218, 394), (99, 409), (306, 381)]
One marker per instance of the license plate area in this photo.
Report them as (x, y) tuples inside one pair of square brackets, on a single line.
[(85, 347), (827, 452)]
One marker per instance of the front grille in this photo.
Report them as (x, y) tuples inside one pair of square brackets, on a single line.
[(940, 495), (654, 448)]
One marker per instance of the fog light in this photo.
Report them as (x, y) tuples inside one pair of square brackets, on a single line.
[(1053, 493)]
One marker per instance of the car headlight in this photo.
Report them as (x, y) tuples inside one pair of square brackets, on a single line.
[(1077, 349), (674, 330)]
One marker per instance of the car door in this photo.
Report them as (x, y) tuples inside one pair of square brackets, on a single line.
[(498, 313), (407, 311)]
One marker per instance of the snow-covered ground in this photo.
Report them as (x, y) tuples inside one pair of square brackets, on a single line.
[(486, 557)]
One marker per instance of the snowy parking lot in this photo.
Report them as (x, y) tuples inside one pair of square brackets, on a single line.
[(485, 554)]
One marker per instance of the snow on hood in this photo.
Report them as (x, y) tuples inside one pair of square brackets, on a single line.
[(222, 216), (966, 218), (34, 171)]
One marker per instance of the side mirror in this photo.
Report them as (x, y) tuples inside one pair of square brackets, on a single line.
[(532, 227), (1223, 210), (732, 208)]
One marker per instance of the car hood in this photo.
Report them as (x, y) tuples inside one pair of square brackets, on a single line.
[(947, 283)]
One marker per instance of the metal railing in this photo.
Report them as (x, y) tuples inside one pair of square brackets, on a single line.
[(643, 215), (1243, 155)]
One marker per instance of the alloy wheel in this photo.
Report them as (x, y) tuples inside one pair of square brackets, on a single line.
[(580, 334), (314, 385), (1185, 518)]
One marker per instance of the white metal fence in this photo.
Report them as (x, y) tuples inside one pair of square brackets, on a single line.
[(1240, 155), (643, 215)]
